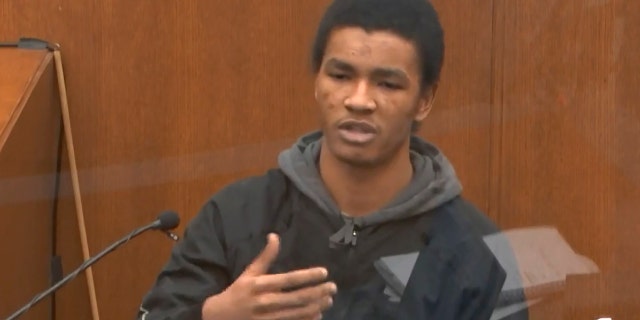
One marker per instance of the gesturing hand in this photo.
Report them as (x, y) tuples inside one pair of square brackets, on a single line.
[(256, 295)]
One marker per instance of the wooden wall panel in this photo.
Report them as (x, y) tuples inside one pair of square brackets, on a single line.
[(626, 149), (557, 122), (565, 151), (72, 300), (28, 161), (460, 122)]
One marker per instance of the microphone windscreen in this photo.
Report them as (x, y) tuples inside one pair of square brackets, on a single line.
[(168, 220)]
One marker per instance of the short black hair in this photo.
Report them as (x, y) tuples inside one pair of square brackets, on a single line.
[(414, 20)]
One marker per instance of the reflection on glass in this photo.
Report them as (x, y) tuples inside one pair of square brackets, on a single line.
[(537, 261)]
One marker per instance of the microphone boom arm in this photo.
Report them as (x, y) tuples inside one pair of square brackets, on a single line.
[(81, 268)]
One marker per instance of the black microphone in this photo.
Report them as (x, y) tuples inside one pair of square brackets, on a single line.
[(166, 221)]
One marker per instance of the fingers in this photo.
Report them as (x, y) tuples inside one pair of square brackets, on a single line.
[(296, 299), (261, 263), (266, 294), (312, 311), (297, 278), (307, 303)]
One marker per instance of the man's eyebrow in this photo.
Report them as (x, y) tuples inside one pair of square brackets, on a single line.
[(339, 64), (377, 72), (390, 73)]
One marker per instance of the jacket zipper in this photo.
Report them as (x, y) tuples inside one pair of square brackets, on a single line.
[(352, 246), (350, 261)]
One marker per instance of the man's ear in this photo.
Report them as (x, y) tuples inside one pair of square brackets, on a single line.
[(315, 87), (426, 102)]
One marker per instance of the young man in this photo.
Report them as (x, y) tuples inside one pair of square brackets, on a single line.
[(306, 240)]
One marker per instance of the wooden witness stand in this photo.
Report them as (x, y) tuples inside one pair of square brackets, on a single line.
[(29, 156)]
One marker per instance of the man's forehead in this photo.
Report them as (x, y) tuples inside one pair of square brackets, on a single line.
[(358, 42), (369, 37), (356, 46), (361, 49)]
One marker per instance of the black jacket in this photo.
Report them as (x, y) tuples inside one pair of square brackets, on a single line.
[(454, 277)]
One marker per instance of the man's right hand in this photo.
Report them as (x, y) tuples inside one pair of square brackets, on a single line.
[(261, 296)]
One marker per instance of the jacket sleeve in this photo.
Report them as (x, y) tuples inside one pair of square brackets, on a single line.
[(196, 270), (479, 298), (456, 276), (452, 285)]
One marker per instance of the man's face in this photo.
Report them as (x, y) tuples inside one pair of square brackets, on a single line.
[(368, 90)]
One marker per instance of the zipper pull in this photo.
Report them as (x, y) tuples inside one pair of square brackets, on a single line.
[(354, 239)]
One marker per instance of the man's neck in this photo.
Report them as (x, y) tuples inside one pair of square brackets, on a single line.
[(359, 191)]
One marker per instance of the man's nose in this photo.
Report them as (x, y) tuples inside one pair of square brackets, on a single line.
[(360, 98)]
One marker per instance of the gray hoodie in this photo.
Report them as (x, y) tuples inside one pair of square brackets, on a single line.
[(434, 183)]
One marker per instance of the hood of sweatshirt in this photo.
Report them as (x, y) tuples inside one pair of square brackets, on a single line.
[(434, 182)]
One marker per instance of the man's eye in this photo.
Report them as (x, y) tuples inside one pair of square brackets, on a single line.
[(389, 85), (338, 76)]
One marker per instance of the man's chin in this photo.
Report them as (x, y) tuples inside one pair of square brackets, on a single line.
[(357, 159)]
